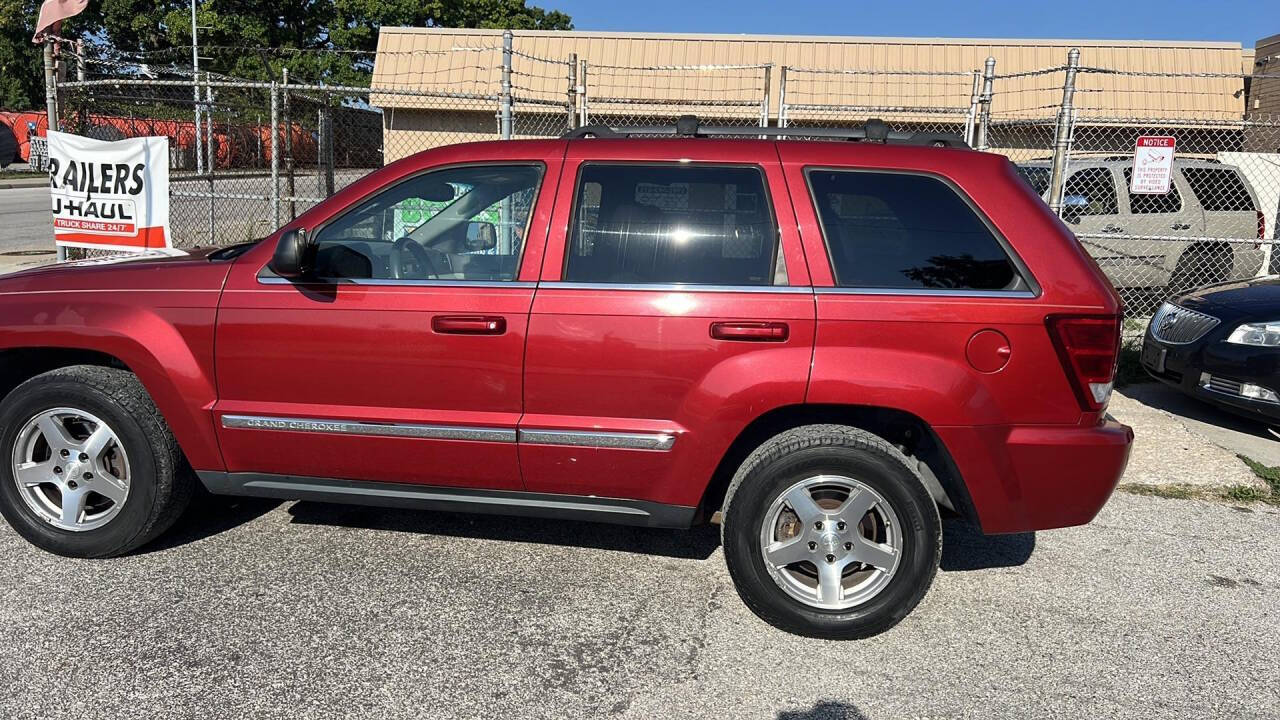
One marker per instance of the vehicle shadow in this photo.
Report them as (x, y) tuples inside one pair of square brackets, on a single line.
[(695, 544), (964, 547), (825, 710), (210, 515), (1164, 398)]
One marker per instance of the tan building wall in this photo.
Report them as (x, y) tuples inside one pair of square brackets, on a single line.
[(468, 62)]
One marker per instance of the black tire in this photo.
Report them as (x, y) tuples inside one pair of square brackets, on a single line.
[(1199, 266), (838, 450), (161, 483)]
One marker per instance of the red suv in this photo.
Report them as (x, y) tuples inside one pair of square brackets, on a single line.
[(815, 342)]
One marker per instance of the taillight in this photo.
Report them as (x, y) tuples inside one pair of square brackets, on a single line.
[(1088, 346), (1262, 226)]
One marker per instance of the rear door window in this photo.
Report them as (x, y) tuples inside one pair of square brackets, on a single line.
[(906, 231), (1219, 189), (1152, 203), (664, 224)]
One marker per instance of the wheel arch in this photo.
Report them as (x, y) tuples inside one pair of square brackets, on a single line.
[(178, 406), (903, 429)]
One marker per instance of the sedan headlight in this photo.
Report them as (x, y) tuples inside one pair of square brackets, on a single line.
[(1264, 334)]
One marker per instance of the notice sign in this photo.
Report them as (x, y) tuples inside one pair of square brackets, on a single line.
[(110, 195), (1152, 165)]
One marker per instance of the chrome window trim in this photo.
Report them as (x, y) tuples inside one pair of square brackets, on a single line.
[(676, 287), (349, 427), (607, 440), (995, 294), (391, 282)]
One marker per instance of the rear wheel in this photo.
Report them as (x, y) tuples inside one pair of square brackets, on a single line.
[(828, 532), (89, 469), (1200, 265)]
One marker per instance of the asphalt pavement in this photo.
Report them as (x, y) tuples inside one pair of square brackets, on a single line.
[(1158, 609)]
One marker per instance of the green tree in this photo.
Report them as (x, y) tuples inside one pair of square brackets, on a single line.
[(158, 33)]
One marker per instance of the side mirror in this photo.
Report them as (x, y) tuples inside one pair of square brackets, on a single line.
[(481, 236), (293, 256), (1073, 206)]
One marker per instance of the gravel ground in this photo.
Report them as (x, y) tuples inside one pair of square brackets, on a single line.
[(300, 610)]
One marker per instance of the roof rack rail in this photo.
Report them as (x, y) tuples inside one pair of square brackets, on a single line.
[(874, 130)]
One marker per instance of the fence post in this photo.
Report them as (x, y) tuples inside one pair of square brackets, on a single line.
[(288, 146), (984, 101), (275, 156), (782, 97), (971, 118), (325, 149), (764, 103), (504, 125), (573, 91), (51, 107), (213, 155), (1062, 134), (583, 117), (80, 63)]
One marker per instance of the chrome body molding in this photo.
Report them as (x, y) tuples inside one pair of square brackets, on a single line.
[(676, 287), (347, 427), (610, 440)]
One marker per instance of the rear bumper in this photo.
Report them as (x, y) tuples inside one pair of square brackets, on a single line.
[(1023, 478)]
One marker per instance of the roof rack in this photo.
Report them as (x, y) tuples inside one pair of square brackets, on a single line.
[(687, 126)]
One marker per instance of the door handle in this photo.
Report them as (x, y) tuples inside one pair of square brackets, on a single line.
[(1112, 229), (1180, 226), (469, 324), (750, 331)]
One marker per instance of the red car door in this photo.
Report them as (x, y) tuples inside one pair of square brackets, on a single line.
[(674, 308), (403, 361)]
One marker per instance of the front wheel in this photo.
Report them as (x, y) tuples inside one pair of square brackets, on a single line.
[(829, 532), (88, 467)]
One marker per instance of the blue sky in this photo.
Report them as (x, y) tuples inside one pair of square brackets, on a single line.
[(1243, 21)]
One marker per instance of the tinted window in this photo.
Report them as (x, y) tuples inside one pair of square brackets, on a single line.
[(672, 224), (1219, 189), (1036, 177), (1150, 203), (892, 230), (465, 223), (1090, 191)]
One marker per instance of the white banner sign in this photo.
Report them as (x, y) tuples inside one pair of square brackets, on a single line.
[(110, 195), (1152, 165)]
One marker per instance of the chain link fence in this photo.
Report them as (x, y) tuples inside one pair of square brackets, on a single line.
[(247, 156), (907, 101)]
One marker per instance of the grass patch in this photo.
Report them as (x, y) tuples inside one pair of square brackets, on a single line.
[(1129, 368), (1233, 493), (1269, 475)]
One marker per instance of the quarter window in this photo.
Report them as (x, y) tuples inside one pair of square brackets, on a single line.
[(1219, 189), (904, 231), (462, 223), (639, 224)]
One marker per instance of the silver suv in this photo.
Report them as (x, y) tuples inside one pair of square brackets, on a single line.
[(1204, 230)]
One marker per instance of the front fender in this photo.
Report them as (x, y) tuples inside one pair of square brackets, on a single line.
[(164, 337)]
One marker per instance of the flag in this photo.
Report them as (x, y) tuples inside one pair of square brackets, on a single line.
[(53, 12)]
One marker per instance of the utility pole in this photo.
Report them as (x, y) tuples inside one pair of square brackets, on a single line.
[(195, 88)]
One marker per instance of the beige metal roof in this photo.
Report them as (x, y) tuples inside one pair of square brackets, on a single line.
[(468, 62)]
